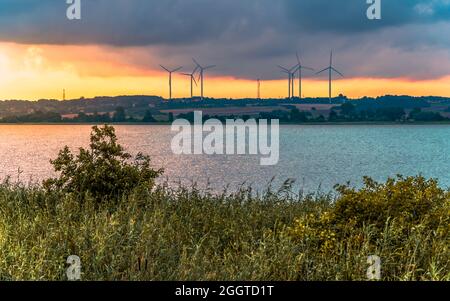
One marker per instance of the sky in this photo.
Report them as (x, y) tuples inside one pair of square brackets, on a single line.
[(117, 46)]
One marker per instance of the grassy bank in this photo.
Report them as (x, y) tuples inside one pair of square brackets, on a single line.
[(105, 208), (185, 234)]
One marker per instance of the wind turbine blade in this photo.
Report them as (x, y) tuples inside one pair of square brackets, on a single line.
[(282, 68), (209, 67), (187, 74), (198, 65), (307, 68), (165, 68), (331, 58), (295, 68), (298, 58), (178, 69), (194, 81), (195, 70), (323, 70), (337, 72)]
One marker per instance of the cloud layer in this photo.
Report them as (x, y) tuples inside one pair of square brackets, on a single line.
[(249, 38)]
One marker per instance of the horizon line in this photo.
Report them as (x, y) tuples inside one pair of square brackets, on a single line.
[(225, 98)]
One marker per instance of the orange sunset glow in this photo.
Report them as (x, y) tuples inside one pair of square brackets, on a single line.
[(43, 71)]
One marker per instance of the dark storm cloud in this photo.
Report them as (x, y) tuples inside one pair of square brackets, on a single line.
[(348, 16), (135, 22), (148, 22), (258, 34)]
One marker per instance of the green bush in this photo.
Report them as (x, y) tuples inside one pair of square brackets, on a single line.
[(103, 171), (405, 221), (408, 201)]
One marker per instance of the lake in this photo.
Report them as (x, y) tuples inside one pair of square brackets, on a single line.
[(316, 156)]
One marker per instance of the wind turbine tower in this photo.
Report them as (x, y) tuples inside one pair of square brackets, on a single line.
[(202, 70), (192, 77), (300, 75), (291, 75), (170, 78), (330, 70), (259, 88)]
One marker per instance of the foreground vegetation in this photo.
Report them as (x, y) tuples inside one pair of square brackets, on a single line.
[(153, 232)]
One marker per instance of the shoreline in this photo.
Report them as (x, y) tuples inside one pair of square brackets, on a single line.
[(281, 123)]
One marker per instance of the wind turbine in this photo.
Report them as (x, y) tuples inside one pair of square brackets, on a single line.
[(300, 69), (330, 69), (202, 70), (170, 78), (291, 73), (192, 77), (258, 94), (285, 70)]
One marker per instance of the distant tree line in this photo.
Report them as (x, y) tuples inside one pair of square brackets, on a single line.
[(33, 117), (347, 112), (119, 116), (138, 105)]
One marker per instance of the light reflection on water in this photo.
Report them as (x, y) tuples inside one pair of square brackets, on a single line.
[(316, 156)]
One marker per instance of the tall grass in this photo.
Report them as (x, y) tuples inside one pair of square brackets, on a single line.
[(187, 234)]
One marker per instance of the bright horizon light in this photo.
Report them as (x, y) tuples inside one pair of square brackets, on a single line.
[(32, 72)]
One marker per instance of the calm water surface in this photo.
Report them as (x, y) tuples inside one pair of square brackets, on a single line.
[(317, 157)]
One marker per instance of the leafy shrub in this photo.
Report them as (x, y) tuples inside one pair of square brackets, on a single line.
[(104, 170), (379, 216), (409, 201)]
